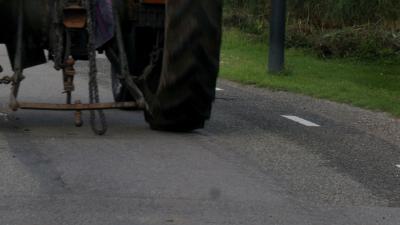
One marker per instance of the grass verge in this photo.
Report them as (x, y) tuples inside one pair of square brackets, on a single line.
[(373, 85)]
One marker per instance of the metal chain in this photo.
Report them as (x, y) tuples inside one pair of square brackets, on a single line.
[(155, 55), (157, 48), (154, 58), (67, 56), (93, 86), (58, 43)]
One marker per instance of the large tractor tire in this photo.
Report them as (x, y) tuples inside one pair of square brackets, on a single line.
[(186, 85), (181, 88)]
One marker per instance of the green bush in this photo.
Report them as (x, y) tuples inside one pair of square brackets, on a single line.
[(300, 35), (361, 42)]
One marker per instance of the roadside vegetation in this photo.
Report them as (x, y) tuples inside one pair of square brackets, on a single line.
[(342, 50), (366, 29), (372, 84)]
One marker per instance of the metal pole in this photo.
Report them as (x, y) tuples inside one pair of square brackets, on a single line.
[(277, 37), (18, 63)]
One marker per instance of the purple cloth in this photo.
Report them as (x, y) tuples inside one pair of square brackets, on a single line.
[(105, 25)]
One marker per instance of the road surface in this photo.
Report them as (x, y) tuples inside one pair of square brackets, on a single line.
[(264, 158)]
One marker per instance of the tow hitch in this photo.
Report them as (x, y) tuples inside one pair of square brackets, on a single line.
[(76, 16)]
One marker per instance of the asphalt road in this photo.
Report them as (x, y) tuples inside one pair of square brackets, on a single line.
[(250, 165)]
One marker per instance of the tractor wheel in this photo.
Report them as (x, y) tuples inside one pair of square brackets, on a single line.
[(181, 94)]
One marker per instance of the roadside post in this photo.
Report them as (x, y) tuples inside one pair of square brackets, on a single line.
[(276, 62)]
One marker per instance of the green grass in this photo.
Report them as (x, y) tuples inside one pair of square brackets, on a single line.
[(373, 85)]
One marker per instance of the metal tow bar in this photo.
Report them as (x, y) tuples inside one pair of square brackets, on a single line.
[(78, 107)]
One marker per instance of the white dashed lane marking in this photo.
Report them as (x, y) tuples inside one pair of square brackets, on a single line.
[(219, 89), (301, 121)]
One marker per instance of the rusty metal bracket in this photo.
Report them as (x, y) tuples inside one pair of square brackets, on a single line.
[(78, 116), (75, 16), (68, 78)]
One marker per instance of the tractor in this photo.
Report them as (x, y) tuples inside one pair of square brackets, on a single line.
[(164, 55)]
